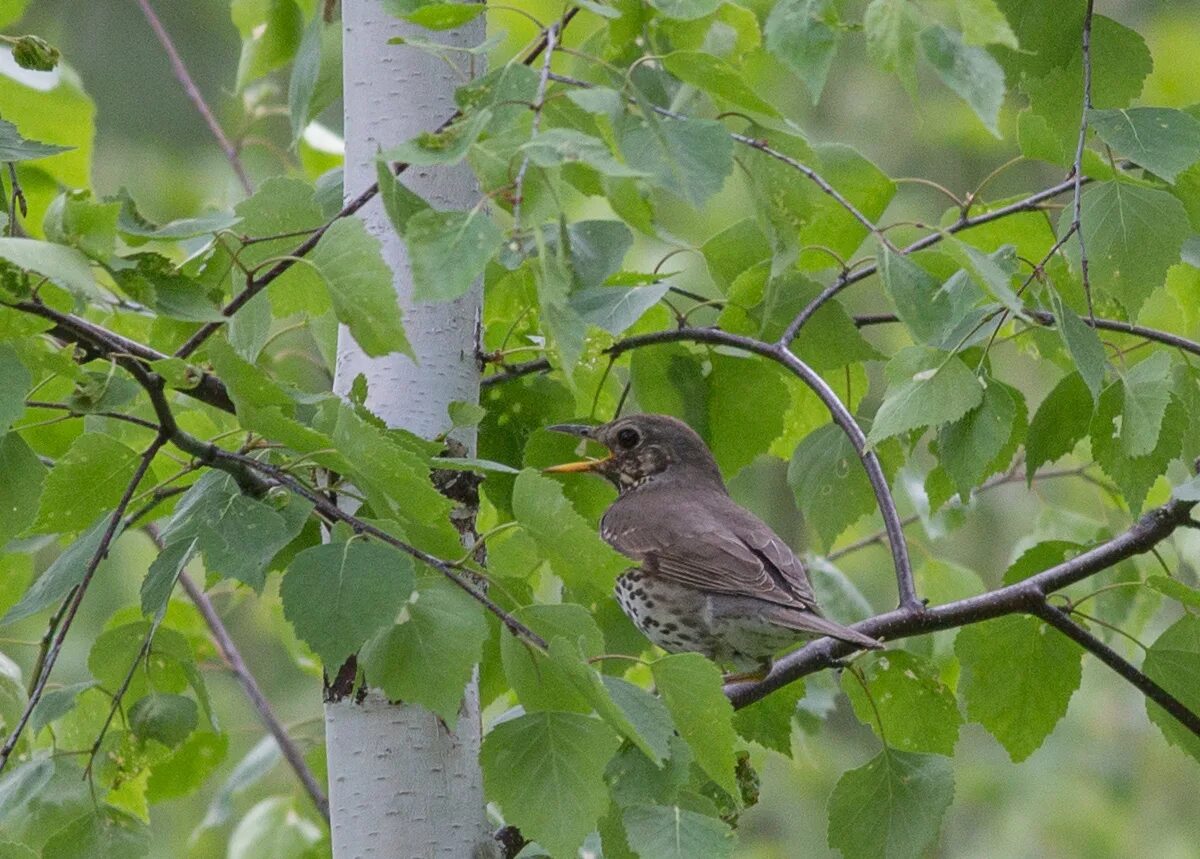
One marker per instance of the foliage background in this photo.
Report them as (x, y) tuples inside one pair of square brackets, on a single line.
[(1104, 784)]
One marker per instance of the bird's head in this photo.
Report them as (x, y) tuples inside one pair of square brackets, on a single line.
[(646, 448)]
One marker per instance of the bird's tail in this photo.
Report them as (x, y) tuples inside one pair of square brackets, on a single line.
[(813, 623)]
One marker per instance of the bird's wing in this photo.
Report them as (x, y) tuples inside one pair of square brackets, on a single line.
[(706, 541)]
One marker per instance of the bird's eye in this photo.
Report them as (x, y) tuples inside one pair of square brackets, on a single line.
[(628, 438)]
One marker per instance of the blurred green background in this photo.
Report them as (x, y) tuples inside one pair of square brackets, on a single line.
[(1104, 785)]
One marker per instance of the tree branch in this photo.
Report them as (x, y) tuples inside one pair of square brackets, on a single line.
[(1046, 318), (255, 285), (1151, 529), (193, 93), (233, 658), (841, 416), (1033, 201), (64, 626), (1061, 621), (516, 371)]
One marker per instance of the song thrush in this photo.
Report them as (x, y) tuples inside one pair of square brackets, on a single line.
[(712, 576)]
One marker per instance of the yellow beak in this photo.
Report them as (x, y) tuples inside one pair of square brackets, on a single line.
[(572, 467)]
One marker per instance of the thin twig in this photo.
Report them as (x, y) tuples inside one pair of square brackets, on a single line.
[(1033, 201), (233, 658), (539, 102), (110, 532), (509, 372), (1077, 206), (193, 93)]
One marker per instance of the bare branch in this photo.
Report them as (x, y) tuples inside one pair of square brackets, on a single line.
[(233, 658), (509, 372), (1147, 532), (539, 102), (106, 539), (1046, 318), (193, 93), (1061, 621), (1077, 170)]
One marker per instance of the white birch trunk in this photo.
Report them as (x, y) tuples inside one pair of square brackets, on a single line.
[(400, 785)]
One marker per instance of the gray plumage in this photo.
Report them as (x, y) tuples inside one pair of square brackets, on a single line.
[(712, 576)]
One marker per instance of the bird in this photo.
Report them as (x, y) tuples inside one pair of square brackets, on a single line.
[(711, 577)]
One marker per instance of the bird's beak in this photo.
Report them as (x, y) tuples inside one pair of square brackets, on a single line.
[(583, 431)]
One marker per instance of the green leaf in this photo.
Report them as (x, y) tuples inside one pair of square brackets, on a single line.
[(716, 77), (597, 249), (55, 704), (615, 308), (1173, 661), (801, 34), (685, 10), (102, 833), (429, 657), (984, 24), (399, 202), (1166, 142), (968, 447), (13, 698), (66, 572), (338, 595), (1020, 707), (542, 683), (892, 27), (1060, 422), (449, 251), (1176, 590), (925, 388), (891, 807), (1083, 342), (574, 549), (445, 147), (166, 718), (14, 147), (932, 312), (1133, 235), (163, 573), (747, 398), (360, 286), (689, 158), (546, 770), (274, 828), (555, 147), (1135, 474), (24, 782), (21, 487), (188, 767), (1147, 387), (968, 70), (672, 832), (918, 711), (644, 719), (270, 36), (444, 16), (305, 70), (237, 535), (769, 720), (61, 265), (831, 486), (691, 687)]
